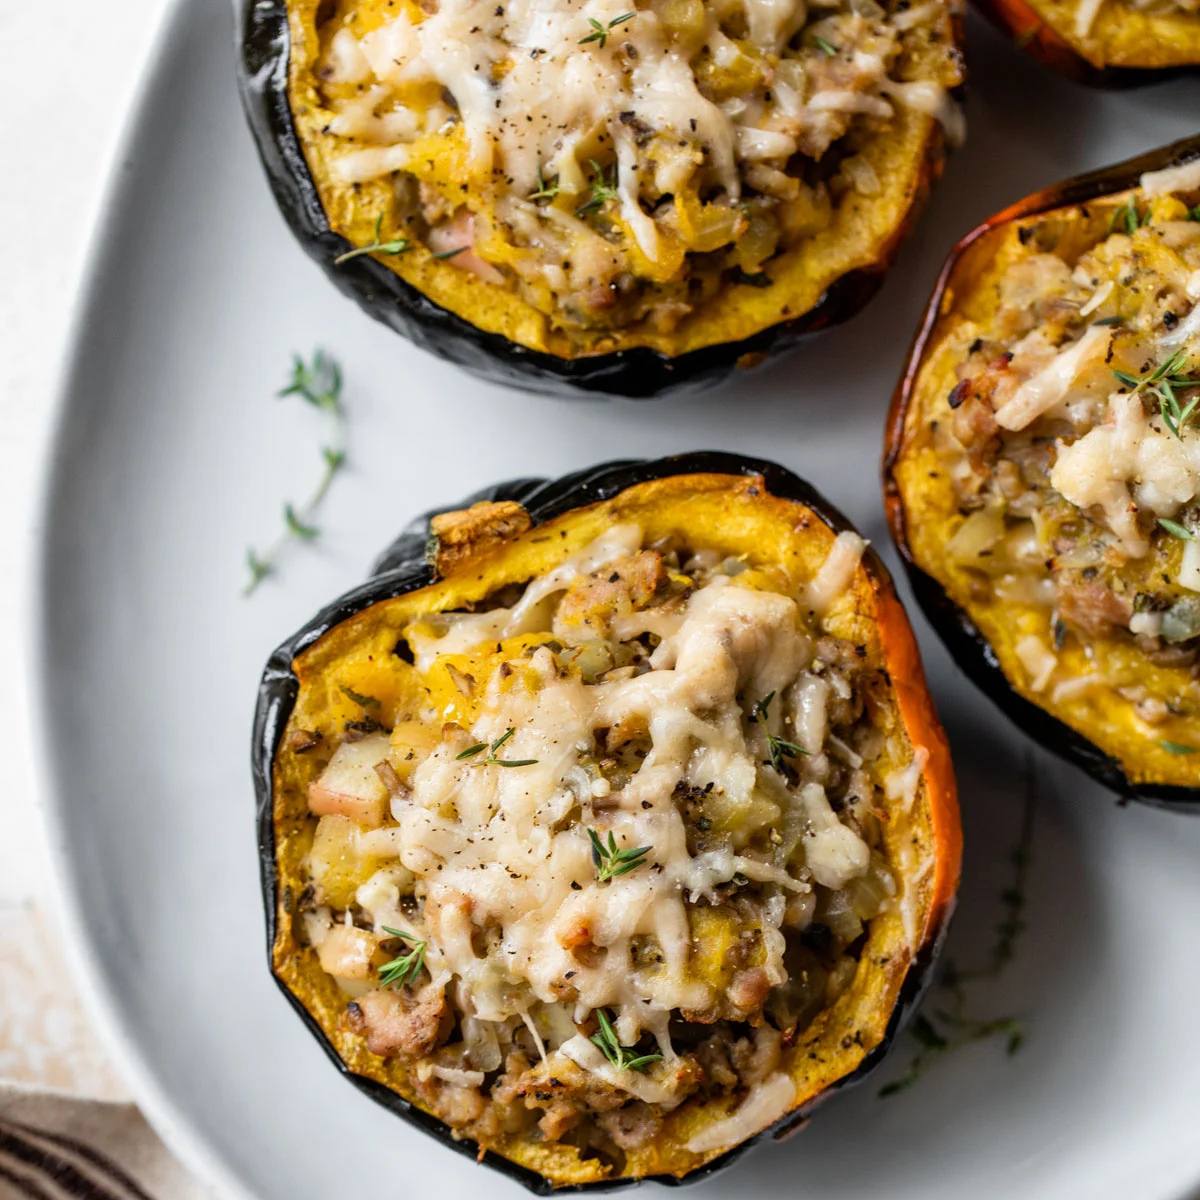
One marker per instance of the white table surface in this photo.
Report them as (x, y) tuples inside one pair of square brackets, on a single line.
[(70, 70)]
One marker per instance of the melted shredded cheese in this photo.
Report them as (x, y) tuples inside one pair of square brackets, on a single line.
[(537, 87), (488, 842), (493, 844), (764, 1106)]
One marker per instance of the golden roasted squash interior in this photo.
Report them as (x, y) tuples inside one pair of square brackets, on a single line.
[(615, 846), (1115, 33), (591, 175), (1049, 468)]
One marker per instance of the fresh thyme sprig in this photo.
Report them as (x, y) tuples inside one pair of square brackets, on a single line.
[(492, 760), (610, 861), (620, 1056), (318, 383), (777, 748), (934, 1043), (958, 1028), (1161, 382), (602, 190), (378, 246), (600, 31), (545, 191), (406, 967), (826, 47)]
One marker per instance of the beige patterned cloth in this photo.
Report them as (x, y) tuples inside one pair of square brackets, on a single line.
[(67, 1129)]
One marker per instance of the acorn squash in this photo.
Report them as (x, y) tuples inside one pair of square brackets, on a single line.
[(1111, 44), (608, 827), (1042, 469), (597, 198)]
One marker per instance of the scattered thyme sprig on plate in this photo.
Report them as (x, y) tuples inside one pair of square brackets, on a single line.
[(620, 1056), (777, 748), (492, 760), (611, 861), (406, 967), (1161, 382), (318, 383), (378, 246), (600, 31)]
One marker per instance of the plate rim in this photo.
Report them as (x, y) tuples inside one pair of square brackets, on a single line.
[(63, 896)]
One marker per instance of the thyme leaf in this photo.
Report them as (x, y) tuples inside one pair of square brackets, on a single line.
[(1161, 382), (492, 760), (443, 254), (1177, 747), (303, 530), (611, 861), (377, 246), (319, 384), (826, 47), (405, 968), (602, 189), (367, 703), (600, 31), (1128, 218), (620, 1056), (1176, 530), (778, 748), (545, 191)]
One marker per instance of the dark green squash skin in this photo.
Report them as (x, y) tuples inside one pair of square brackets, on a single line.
[(971, 651), (405, 566), (638, 373)]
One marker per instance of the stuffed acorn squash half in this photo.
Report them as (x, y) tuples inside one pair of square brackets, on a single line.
[(1043, 470), (616, 833), (1104, 42), (595, 195)]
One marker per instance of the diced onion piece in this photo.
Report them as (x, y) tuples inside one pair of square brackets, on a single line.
[(1099, 296), (346, 952), (1038, 661), (350, 785), (836, 572), (978, 534), (1189, 567), (1051, 385), (764, 1106), (456, 240)]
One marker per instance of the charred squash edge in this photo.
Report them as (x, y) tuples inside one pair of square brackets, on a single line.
[(1029, 32), (405, 566), (970, 650), (639, 373)]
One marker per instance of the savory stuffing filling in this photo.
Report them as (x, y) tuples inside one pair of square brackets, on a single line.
[(620, 856), (1072, 440), (1089, 10), (612, 163)]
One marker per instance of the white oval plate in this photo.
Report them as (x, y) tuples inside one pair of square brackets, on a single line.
[(172, 455)]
